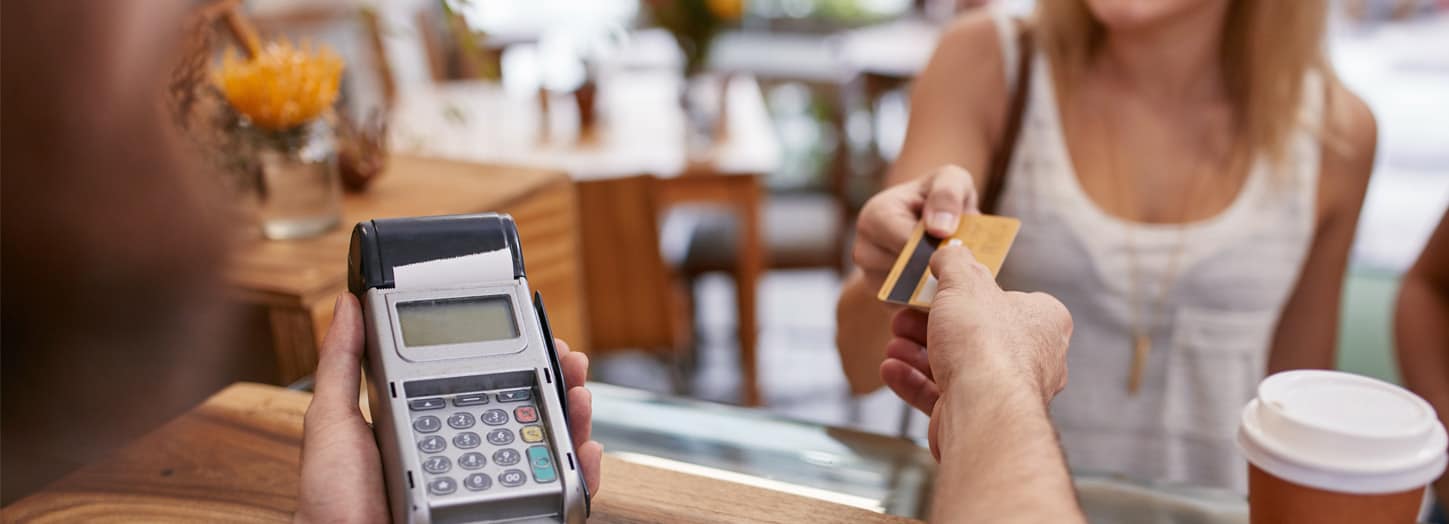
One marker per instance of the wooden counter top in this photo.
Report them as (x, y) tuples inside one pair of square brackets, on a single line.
[(236, 458)]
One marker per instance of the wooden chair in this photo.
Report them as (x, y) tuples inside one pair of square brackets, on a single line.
[(803, 228), (646, 308), (454, 51)]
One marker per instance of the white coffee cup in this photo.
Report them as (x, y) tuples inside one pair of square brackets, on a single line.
[(1328, 446)]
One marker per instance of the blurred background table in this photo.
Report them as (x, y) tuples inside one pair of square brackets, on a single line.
[(633, 166), (897, 49), (640, 128), (292, 284)]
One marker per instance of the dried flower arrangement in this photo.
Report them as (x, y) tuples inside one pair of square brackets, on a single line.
[(282, 86)]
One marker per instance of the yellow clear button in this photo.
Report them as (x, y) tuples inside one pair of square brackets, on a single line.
[(532, 434)]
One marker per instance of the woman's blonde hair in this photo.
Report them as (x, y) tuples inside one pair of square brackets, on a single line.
[(1267, 47)]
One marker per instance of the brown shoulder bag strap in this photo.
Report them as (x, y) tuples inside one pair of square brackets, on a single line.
[(1001, 157)]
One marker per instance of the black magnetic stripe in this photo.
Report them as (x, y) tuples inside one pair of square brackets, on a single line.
[(915, 268)]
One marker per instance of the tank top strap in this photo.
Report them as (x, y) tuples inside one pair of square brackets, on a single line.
[(1315, 94), (1306, 146), (1006, 36)]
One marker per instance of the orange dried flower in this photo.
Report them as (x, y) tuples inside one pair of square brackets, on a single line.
[(727, 9), (283, 86)]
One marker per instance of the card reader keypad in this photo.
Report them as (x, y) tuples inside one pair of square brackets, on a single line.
[(481, 441)]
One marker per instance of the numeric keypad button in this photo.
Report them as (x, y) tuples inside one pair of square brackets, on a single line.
[(478, 482), (512, 478), (463, 420), (472, 460), (506, 457), (495, 417), (500, 437), (442, 486), (467, 440), (432, 444), (427, 424), (437, 464)]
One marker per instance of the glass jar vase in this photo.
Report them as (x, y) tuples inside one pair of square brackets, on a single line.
[(703, 96), (298, 194)]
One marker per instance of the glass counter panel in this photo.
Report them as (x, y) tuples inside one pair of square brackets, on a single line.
[(876, 472)]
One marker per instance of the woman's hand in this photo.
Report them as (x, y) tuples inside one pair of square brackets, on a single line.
[(888, 218), (341, 469)]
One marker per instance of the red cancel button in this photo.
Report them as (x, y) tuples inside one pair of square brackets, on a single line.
[(525, 414)]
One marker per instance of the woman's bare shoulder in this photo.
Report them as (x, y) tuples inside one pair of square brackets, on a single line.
[(973, 36), (1350, 126), (1350, 141), (965, 81), (969, 52)]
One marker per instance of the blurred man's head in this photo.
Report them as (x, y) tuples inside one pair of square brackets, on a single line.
[(111, 248)]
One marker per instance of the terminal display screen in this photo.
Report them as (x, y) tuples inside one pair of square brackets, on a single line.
[(457, 320)]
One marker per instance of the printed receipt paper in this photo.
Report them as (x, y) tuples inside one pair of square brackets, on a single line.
[(911, 284)]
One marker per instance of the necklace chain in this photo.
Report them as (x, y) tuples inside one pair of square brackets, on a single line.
[(1140, 331)]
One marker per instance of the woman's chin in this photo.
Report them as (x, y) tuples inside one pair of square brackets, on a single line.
[(1133, 15)]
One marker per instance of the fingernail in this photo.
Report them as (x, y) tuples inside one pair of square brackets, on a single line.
[(943, 221), (954, 242)]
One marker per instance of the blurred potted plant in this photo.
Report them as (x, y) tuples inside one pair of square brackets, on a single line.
[(209, 123), (282, 94), (694, 24)]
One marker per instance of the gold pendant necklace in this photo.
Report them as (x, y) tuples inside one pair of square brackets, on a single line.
[(1141, 344), (1141, 332)]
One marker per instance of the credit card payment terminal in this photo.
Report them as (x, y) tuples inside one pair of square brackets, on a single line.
[(466, 390)]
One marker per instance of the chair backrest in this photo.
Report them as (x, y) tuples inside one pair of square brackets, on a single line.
[(454, 50), (633, 294)]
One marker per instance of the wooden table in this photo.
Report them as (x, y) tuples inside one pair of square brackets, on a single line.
[(296, 282), (641, 128), (899, 48), (236, 458), (641, 131), (849, 69)]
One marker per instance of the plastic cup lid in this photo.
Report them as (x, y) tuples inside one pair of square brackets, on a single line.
[(1342, 432)]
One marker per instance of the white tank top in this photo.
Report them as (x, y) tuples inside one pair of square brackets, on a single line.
[(1210, 341)]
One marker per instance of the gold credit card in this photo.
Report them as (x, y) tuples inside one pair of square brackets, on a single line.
[(911, 284)]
